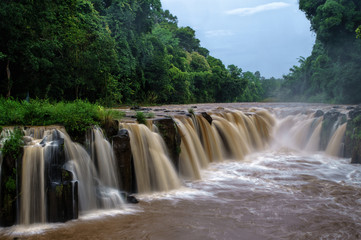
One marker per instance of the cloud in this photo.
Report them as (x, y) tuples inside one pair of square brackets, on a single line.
[(257, 9), (218, 33)]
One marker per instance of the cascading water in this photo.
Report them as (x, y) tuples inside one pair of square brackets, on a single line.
[(33, 207), (210, 139), (95, 190), (192, 156), (153, 169), (41, 159), (334, 147)]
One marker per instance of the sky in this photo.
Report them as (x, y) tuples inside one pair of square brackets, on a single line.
[(255, 35)]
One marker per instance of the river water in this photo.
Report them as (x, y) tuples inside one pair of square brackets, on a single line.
[(277, 193)]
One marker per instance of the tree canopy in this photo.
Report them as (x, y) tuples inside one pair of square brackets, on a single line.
[(113, 51)]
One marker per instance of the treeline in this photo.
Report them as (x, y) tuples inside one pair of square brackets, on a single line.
[(111, 51), (333, 71)]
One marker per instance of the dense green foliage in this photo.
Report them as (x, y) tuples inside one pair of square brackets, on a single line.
[(12, 145), (333, 71), (114, 51), (76, 116)]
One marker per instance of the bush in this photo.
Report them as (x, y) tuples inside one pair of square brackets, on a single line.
[(140, 116), (12, 145)]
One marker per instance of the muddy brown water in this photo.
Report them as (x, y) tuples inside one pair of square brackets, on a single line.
[(279, 193)]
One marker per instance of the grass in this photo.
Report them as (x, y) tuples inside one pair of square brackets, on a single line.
[(76, 116)]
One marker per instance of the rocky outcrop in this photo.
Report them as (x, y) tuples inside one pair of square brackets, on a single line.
[(62, 193), (169, 132), (9, 191), (207, 117), (353, 136), (124, 159), (331, 121)]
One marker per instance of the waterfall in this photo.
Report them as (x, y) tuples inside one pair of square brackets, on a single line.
[(96, 190), (314, 141), (33, 202), (335, 146), (103, 156), (41, 157), (192, 154), (210, 139), (153, 169)]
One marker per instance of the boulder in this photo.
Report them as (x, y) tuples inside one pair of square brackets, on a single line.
[(169, 132), (319, 113)]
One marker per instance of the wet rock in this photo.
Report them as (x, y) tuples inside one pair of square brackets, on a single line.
[(331, 121), (132, 199), (319, 113), (9, 192), (138, 108), (353, 136), (111, 127), (62, 201), (124, 159), (207, 117), (62, 189), (169, 132)]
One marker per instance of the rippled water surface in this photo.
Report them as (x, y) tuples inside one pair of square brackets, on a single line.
[(276, 194), (271, 195)]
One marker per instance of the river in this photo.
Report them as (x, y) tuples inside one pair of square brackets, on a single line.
[(280, 192)]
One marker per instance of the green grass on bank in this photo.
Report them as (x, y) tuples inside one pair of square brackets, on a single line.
[(75, 116)]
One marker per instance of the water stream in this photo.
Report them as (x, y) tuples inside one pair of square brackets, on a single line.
[(251, 174)]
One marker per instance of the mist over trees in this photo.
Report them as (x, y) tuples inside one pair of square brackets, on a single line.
[(111, 51), (333, 71)]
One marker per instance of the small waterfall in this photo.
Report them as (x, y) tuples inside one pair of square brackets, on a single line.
[(96, 191), (233, 139), (210, 139), (314, 142), (103, 156), (335, 146), (33, 202), (153, 169), (192, 153), (80, 163)]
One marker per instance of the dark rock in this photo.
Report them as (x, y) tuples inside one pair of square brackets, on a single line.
[(62, 189), (136, 107), (194, 107), (319, 113), (169, 132), (111, 127), (132, 199), (124, 159), (353, 136), (9, 191), (207, 117), (62, 201)]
